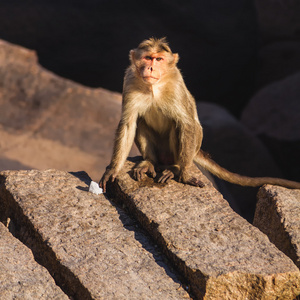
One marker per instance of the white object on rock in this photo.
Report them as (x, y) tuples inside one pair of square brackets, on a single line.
[(95, 189)]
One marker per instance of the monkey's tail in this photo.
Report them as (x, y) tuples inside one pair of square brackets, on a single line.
[(205, 162)]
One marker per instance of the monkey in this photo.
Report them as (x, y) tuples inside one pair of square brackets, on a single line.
[(159, 114)]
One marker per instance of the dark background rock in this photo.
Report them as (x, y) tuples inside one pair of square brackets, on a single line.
[(273, 114), (89, 41), (279, 35), (235, 148), (277, 61)]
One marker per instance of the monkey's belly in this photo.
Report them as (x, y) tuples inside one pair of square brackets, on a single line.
[(165, 158), (164, 154)]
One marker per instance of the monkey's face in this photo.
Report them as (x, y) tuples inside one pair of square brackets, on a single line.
[(151, 66)]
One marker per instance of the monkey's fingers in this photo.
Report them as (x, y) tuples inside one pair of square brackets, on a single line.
[(105, 178), (140, 173), (166, 176), (151, 171), (102, 185)]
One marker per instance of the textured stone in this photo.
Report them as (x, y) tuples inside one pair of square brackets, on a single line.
[(220, 253), (21, 277), (90, 247), (278, 216)]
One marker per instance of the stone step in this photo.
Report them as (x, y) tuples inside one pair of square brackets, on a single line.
[(21, 277), (220, 253), (278, 216), (91, 247)]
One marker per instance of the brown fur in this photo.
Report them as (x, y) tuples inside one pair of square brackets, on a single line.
[(159, 114)]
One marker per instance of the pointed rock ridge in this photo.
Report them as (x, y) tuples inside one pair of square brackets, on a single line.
[(92, 248), (277, 215), (221, 255)]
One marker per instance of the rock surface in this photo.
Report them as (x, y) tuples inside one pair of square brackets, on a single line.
[(91, 248), (21, 277), (278, 216), (221, 254), (49, 122)]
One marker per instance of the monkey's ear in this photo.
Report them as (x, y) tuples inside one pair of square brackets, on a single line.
[(176, 58), (132, 56)]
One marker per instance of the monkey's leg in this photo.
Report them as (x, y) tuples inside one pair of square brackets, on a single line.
[(190, 139), (145, 141)]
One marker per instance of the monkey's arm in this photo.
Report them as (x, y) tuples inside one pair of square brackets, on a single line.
[(123, 142)]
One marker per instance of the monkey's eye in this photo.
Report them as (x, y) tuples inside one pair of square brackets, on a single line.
[(159, 58), (148, 57)]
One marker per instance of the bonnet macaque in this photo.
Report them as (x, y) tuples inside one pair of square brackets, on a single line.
[(159, 114)]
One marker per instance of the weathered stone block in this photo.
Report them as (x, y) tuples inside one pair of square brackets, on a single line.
[(21, 277), (220, 253), (92, 248), (278, 216)]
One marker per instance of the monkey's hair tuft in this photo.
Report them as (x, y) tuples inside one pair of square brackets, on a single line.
[(158, 45)]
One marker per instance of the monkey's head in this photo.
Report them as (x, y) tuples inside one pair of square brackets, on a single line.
[(153, 59)]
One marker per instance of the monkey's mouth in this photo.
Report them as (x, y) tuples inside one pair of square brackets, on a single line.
[(150, 77)]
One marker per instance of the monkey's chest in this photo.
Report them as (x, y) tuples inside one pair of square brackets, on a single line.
[(157, 120)]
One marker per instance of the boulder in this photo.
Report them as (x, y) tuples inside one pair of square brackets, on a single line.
[(220, 253), (279, 49), (278, 60), (277, 215), (273, 115)]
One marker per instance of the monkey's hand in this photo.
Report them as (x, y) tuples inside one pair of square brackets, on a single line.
[(109, 174), (185, 178), (166, 176), (143, 168)]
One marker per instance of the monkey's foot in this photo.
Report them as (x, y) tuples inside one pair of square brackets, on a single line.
[(195, 182), (166, 176), (143, 168)]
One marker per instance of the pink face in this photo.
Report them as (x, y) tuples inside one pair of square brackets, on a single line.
[(153, 67)]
